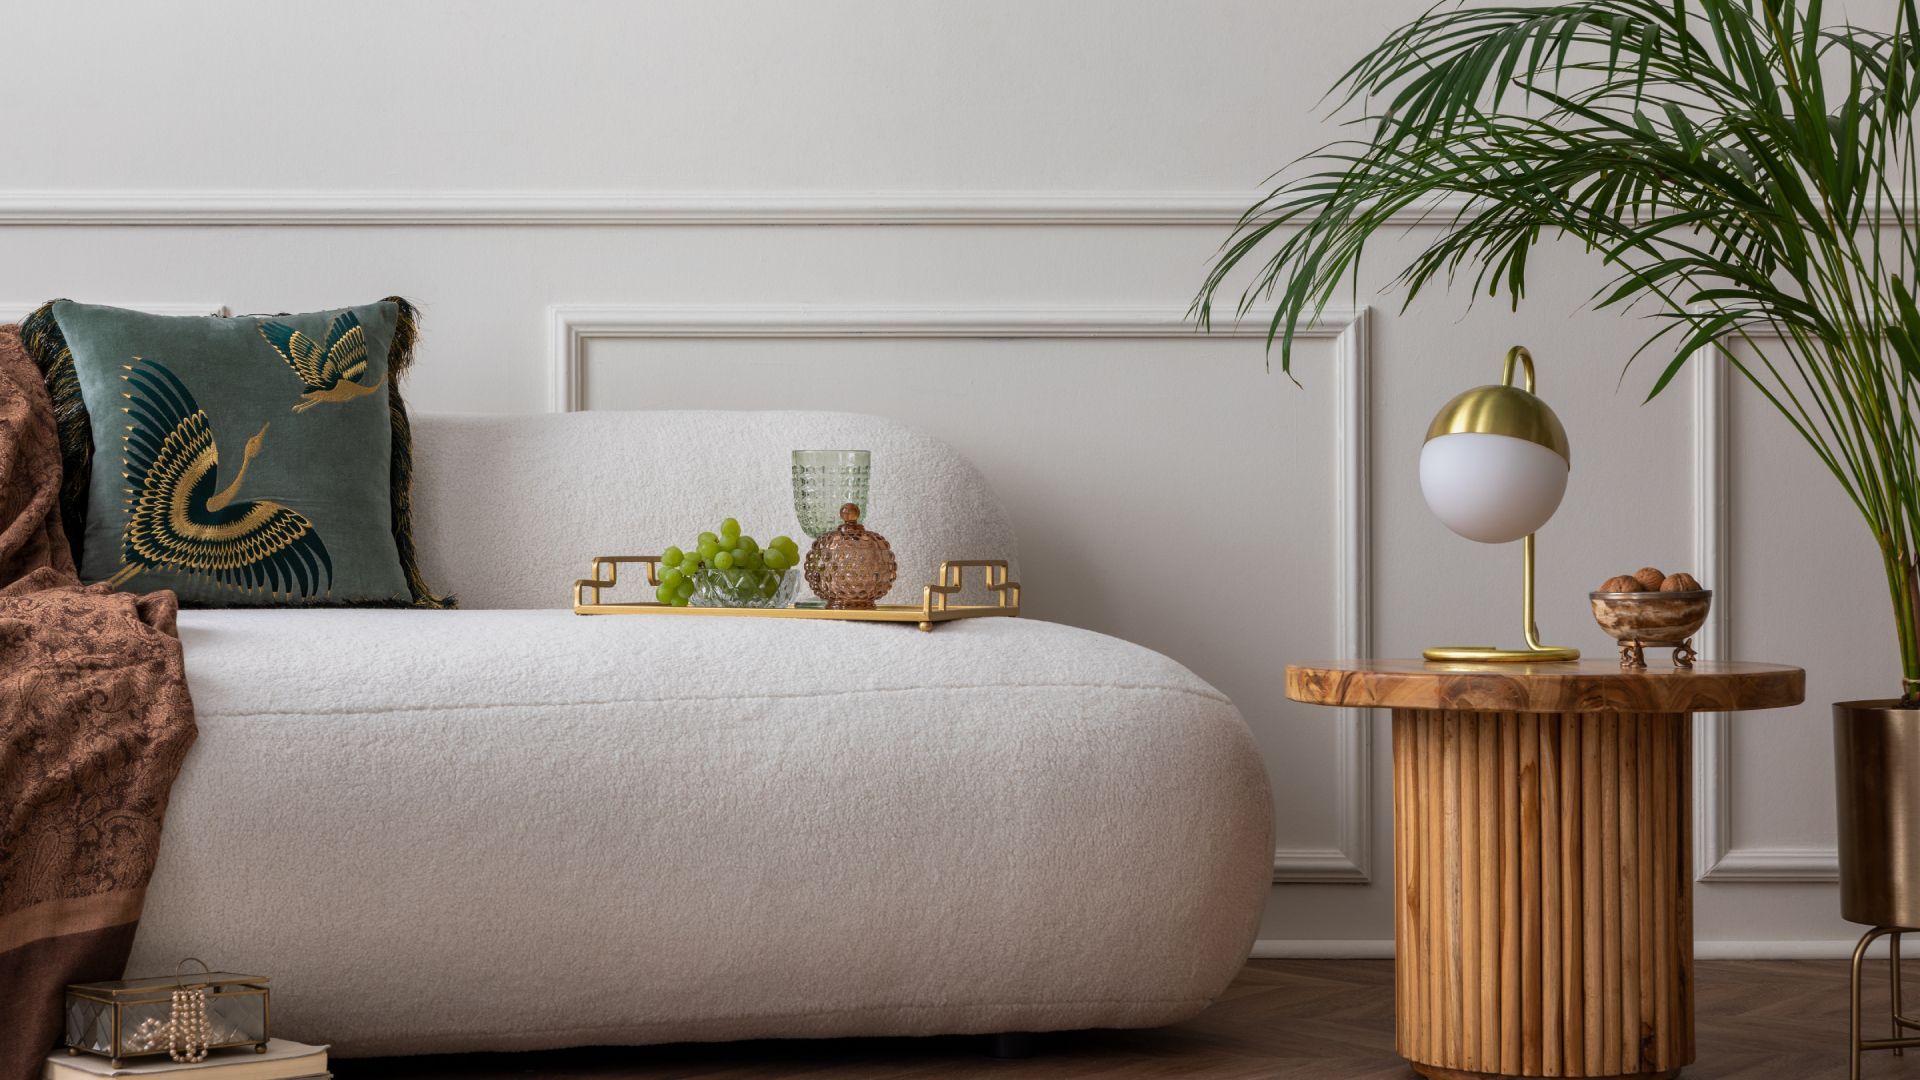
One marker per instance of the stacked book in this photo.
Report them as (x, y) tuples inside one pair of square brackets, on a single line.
[(283, 1060)]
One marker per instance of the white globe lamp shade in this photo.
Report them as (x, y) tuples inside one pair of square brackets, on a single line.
[(1491, 488)]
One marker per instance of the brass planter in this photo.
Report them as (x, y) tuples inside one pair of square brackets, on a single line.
[(1876, 761), (1876, 766)]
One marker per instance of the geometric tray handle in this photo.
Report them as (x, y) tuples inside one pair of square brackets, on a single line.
[(606, 574), (934, 597)]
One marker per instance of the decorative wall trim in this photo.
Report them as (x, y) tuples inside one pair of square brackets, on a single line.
[(1322, 949), (268, 207), (1712, 767), (1704, 949), (1778, 949), (15, 310), (271, 206), (571, 326), (1775, 864), (1353, 603), (444, 207), (1715, 857)]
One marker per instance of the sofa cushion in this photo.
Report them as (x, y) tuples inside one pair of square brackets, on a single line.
[(237, 461), (536, 829)]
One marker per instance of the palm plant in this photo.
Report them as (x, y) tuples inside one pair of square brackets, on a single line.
[(1742, 167)]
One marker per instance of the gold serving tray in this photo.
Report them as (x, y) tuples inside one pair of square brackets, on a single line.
[(933, 606)]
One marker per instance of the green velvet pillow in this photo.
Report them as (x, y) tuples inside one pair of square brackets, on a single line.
[(257, 460)]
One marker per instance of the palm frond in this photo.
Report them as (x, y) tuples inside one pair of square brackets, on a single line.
[(1742, 167)]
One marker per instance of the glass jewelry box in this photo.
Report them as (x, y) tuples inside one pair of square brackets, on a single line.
[(136, 1017)]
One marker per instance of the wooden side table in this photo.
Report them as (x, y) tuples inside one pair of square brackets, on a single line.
[(1542, 869)]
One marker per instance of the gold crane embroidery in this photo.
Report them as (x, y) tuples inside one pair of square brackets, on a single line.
[(328, 371), (176, 520)]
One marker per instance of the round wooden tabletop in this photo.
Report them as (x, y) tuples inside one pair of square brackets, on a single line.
[(1572, 687)]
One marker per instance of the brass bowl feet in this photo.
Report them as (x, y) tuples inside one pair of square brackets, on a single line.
[(1633, 654)]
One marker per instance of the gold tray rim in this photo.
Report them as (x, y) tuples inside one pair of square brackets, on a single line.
[(933, 608)]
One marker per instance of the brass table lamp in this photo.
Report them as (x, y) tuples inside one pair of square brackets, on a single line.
[(1493, 469)]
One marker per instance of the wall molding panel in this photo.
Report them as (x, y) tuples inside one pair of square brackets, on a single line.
[(1349, 861), (1715, 857), (451, 206), (1322, 949), (508, 207), (15, 310), (1703, 949)]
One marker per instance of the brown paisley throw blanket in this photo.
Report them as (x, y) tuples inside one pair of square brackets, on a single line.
[(94, 721)]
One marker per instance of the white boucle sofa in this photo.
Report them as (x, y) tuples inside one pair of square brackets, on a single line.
[(512, 827)]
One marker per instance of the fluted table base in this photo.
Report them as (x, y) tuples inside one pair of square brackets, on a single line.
[(1544, 909)]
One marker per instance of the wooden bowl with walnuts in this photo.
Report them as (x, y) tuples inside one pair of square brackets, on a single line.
[(1648, 607)]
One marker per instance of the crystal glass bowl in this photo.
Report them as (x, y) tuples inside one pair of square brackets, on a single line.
[(738, 588)]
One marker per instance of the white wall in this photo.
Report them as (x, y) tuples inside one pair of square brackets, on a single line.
[(985, 218)]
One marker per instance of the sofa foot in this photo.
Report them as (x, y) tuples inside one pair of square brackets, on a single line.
[(1014, 1044)]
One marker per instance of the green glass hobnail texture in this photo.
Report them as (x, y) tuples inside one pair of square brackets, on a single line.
[(825, 480)]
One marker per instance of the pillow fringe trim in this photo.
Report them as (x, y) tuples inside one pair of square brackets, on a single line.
[(406, 331), (47, 344)]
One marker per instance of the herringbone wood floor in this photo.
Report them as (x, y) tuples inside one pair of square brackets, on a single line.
[(1286, 1019)]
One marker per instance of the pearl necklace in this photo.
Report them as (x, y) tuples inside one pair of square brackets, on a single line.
[(186, 1031), (155, 1034)]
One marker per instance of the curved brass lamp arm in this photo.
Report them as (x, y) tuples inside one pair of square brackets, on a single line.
[(1520, 353), (1532, 631), (1534, 651)]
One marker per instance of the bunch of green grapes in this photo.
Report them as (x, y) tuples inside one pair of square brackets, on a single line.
[(726, 550)]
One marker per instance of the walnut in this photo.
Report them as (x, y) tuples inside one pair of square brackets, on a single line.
[(1623, 583), (1681, 582), (1650, 578)]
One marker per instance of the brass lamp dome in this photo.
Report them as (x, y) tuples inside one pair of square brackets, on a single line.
[(1502, 409)]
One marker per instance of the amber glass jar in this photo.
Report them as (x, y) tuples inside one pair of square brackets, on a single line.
[(851, 566)]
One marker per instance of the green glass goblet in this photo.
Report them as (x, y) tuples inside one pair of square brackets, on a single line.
[(824, 481)]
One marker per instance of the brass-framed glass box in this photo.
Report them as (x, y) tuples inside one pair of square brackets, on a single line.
[(128, 1019)]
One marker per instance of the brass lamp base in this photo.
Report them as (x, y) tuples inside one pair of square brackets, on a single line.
[(1486, 654), (1533, 653)]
